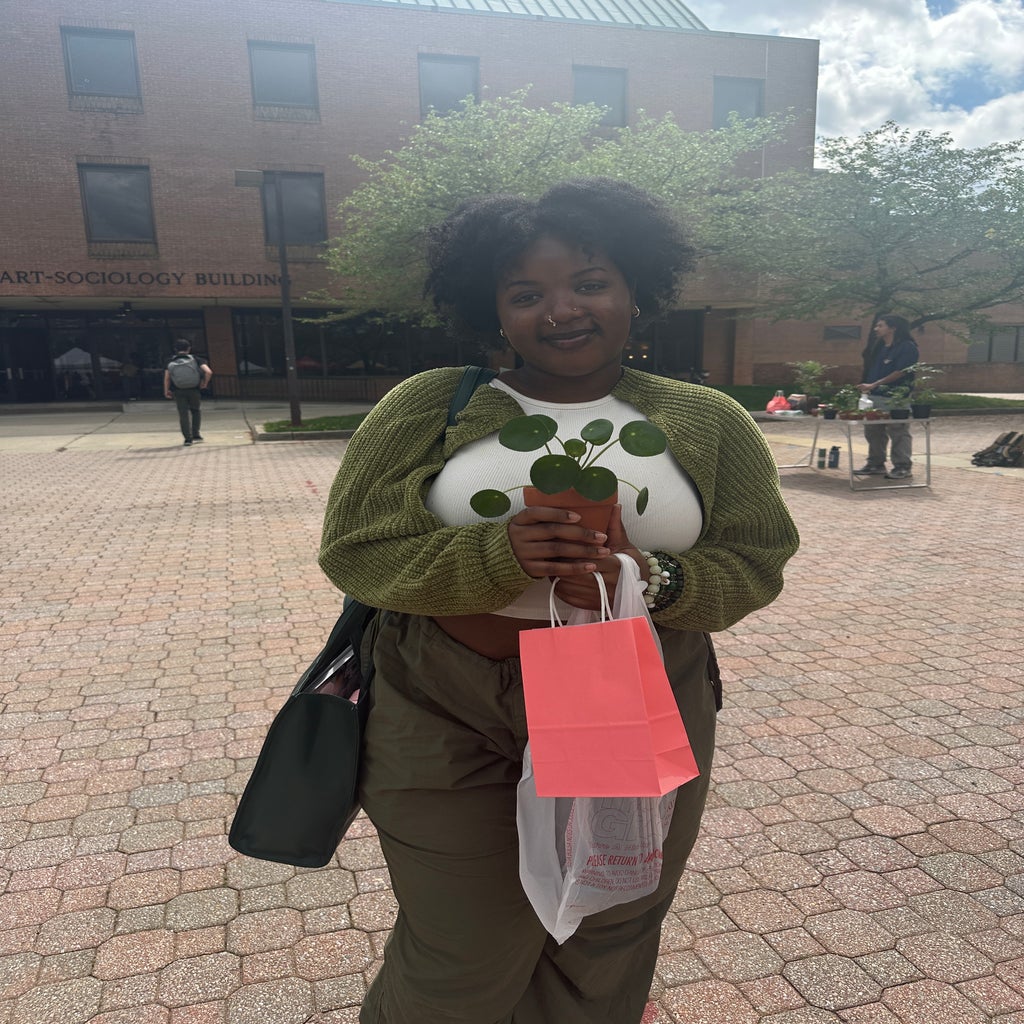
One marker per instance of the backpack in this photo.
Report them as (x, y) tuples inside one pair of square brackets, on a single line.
[(184, 371), (1006, 450)]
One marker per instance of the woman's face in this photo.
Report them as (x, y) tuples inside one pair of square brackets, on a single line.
[(591, 305)]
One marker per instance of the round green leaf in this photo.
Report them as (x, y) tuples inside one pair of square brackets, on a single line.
[(596, 483), (527, 433), (575, 448), (554, 473), (490, 504), (598, 431), (641, 501), (642, 438)]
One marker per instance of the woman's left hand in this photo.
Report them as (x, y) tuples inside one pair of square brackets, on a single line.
[(581, 591)]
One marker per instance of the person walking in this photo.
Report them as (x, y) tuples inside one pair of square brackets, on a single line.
[(186, 375), (562, 280), (886, 366)]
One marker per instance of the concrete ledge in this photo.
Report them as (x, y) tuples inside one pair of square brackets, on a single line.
[(259, 434)]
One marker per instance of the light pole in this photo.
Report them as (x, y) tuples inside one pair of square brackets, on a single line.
[(257, 179)]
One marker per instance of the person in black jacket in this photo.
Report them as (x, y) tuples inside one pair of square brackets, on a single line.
[(885, 367)]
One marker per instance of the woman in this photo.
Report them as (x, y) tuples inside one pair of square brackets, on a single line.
[(561, 280)]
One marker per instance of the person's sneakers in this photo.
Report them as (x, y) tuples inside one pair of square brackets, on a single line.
[(869, 470), (898, 473), (197, 437), (187, 441)]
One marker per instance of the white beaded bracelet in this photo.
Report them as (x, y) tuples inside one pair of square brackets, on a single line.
[(663, 584)]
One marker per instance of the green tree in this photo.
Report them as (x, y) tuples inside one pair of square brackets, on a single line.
[(893, 221), (504, 145)]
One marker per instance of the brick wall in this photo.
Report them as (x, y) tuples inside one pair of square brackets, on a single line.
[(198, 126)]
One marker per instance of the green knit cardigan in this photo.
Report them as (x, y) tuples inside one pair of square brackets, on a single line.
[(381, 545)]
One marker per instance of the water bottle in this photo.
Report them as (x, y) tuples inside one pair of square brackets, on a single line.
[(833, 457)]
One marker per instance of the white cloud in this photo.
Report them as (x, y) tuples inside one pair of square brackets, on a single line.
[(961, 71)]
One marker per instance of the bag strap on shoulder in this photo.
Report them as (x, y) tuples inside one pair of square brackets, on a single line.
[(472, 378)]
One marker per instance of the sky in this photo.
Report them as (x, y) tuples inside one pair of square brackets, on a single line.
[(952, 66)]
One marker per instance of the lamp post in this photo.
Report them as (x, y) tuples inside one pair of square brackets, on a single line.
[(257, 179)]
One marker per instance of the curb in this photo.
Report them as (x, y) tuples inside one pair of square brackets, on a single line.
[(259, 434)]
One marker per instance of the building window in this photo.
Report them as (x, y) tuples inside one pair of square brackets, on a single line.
[(302, 198), (101, 68), (1002, 344), (446, 81), (117, 202), (842, 332), (284, 81), (743, 96), (605, 87)]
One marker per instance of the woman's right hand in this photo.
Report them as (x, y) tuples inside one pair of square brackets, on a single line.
[(549, 542)]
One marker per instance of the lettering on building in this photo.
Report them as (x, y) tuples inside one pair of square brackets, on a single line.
[(142, 278)]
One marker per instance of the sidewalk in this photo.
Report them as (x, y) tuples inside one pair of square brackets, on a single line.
[(862, 857)]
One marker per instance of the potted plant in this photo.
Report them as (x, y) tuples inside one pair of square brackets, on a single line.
[(899, 403), (809, 378), (922, 394), (569, 478), (846, 400)]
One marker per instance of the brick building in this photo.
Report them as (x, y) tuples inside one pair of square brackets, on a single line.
[(123, 127)]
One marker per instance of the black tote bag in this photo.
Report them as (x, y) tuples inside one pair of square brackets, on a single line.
[(303, 792)]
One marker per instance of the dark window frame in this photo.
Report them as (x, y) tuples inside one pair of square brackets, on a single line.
[(613, 118), (88, 211), (309, 49), (985, 344), (131, 101), (446, 60), (270, 215), (839, 333), (720, 115)]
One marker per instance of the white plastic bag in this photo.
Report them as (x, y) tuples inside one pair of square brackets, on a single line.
[(581, 856)]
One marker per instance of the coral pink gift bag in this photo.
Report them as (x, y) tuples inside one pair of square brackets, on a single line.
[(601, 716)]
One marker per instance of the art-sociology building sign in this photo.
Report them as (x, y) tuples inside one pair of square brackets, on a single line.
[(141, 278)]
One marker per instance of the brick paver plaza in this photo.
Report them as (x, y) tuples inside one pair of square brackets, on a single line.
[(862, 858)]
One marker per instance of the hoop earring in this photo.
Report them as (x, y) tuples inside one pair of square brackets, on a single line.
[(501, 331), (636, 312)]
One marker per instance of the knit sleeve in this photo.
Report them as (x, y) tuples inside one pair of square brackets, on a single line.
[(736, 565), (380, 543)]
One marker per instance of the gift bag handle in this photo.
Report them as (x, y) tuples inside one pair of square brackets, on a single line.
[(606, 608)]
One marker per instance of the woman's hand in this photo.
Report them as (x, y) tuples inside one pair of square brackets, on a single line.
[(549, 542), (581, 591)]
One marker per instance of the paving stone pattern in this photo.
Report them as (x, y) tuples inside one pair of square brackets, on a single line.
[(862, 857)]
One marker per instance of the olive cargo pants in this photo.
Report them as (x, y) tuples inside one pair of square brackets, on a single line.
[(442, 761)]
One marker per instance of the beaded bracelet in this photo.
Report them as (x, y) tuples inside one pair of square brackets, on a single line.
[(665, 583)]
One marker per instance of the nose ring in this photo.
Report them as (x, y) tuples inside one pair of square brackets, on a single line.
[(551, 320)]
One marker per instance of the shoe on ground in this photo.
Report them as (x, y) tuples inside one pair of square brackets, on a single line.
[(197, 437), (898, 473), (869, 470), (187, 441)]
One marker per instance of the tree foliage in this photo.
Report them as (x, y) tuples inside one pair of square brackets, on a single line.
[(894, 221), (505, 145)]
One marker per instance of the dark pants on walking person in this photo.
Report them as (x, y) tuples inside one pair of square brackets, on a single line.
[(442, 761), (189, 411)]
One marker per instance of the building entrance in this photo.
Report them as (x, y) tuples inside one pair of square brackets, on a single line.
[(95, 356)]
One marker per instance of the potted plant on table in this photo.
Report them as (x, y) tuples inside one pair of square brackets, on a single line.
[(846, 400), (922, 394), (569, 478), (809, 378), (899, 403)]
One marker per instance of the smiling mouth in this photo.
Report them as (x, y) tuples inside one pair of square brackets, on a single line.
[(570, 338)]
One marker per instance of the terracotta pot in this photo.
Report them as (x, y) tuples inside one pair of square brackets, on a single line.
[(594, 515)]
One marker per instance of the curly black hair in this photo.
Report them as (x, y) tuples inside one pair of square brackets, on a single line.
[(473, 247)]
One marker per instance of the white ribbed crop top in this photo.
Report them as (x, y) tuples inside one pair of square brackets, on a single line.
[(672, 521)]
